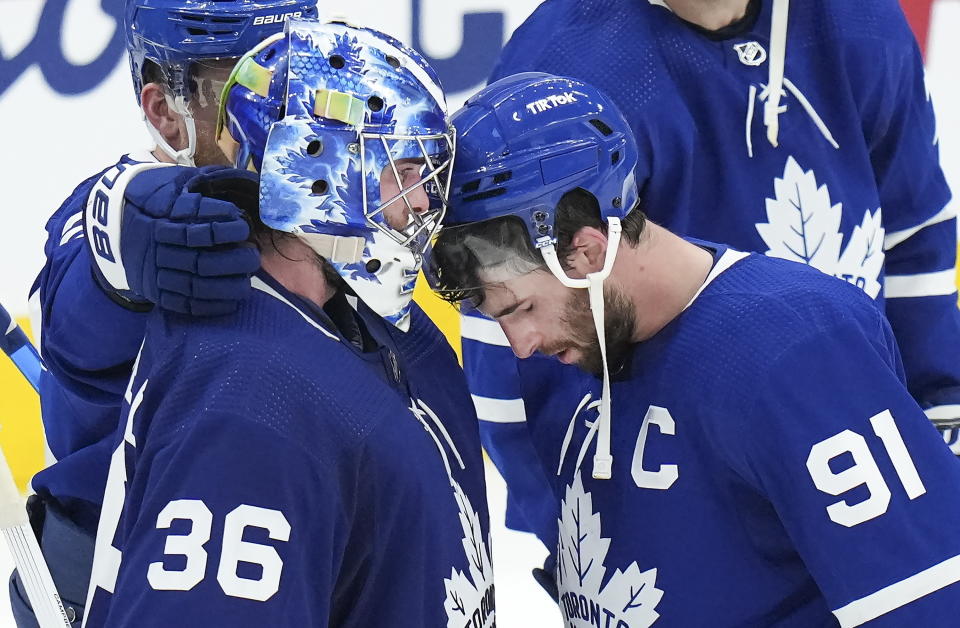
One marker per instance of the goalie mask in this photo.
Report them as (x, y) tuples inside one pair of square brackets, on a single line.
[(348, 129)]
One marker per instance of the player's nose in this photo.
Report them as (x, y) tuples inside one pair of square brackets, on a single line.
[(419, 201), (524, 341)]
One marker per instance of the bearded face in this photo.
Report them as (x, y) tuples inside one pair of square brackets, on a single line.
[(538, 314), (579, 344)]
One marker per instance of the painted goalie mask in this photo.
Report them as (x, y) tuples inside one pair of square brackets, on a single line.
[(349, 132)]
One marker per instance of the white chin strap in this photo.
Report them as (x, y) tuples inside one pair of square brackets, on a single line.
[(602, 459), (777, 82), (182, 157)]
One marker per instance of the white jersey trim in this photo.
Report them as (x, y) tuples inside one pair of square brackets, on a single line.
[(949, 212), (499, 410), (261, 285), (482, 330), (939, 283), (899, 594), (728, 259)]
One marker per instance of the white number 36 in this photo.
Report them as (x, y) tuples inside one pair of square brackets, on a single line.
[(863, 472), (235, 550)]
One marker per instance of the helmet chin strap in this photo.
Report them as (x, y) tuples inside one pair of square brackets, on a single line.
[(602, 459), (182, 157)]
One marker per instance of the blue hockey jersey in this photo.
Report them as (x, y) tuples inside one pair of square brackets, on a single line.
[(268, 472), (854, 187), (88, 342), (769, 469)]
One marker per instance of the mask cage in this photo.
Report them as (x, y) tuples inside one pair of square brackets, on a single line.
[(436, 152)]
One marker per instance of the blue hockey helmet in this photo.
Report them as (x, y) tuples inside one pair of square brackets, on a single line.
[(349, 130), (176, 34), (524, 142), (528, 139)]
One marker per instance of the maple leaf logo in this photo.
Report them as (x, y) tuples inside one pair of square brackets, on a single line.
[(470, 599), (629, 597), (470, 596), (804, 226)]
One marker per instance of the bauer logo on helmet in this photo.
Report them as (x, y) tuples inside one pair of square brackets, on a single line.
[(275, 19)]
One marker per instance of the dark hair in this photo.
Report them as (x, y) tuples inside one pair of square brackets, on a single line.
[(152, 73), (245, 194), (457, 266)]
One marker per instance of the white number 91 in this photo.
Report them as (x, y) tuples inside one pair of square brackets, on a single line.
[(863, 472)]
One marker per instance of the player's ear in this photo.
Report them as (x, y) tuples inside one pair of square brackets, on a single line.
[(164, 119), (588, 247)]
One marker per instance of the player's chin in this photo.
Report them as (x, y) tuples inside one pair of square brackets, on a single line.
[(589, 360)]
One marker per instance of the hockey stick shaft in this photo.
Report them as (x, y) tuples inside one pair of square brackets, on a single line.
[(31, 566), (24, 548), (18, 347)]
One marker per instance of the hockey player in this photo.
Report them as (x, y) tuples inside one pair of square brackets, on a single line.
[(757, 459), (800, 130), (312, 459), (93, 311)]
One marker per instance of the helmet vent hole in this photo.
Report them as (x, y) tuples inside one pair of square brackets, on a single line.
[(373, 265), (319, 187), (502, 176), (375, 103), (615, 158), (314, 148), (393, 61), (472, 186), (601, 126), (197, 31), (482, 196), (270, 54), (337, 62)]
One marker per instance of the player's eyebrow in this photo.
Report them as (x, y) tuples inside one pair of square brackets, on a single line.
[(507, 310)]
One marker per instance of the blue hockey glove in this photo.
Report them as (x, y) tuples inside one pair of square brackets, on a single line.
[(181, 239), (545, 577)]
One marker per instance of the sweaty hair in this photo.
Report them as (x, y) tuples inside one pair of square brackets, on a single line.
[(152, 73), (457, 264)]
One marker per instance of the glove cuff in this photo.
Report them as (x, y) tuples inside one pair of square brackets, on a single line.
[(102, 220), (944, 416)]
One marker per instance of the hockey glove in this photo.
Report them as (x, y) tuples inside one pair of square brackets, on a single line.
[(175, 244), (545, 577)]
